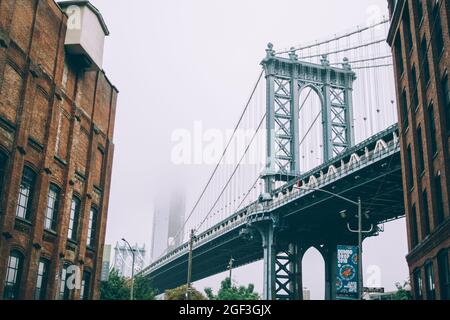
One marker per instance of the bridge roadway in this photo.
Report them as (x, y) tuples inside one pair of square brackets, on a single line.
[(370, 170)]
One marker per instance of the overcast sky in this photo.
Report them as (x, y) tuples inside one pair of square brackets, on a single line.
[(178, 61)]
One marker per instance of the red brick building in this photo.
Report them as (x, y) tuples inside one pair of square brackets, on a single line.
[(57, 111), (419, 37)]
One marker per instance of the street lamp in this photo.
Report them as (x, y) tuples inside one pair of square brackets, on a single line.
[(360, 231), (132, 269)]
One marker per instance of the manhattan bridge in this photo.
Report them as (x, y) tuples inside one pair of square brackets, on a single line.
[(323, 122)]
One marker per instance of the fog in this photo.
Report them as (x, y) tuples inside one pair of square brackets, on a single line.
[(177, 62)]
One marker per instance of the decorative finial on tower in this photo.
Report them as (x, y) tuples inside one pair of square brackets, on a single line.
[(346, 65), (270, 51), (324, 60), (292, 55)]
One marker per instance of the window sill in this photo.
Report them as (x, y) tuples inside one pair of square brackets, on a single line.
[(51, 232), (25, 221)]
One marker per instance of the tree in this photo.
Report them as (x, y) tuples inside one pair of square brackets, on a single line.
[(143, 289), (402, 292), (119, 288), (115, 288), (180, 294), (229, 292)]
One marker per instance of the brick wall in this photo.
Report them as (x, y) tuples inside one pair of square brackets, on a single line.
[(58, 120)]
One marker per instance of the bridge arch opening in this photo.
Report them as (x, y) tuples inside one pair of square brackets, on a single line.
[(310, 128), (313, 275)]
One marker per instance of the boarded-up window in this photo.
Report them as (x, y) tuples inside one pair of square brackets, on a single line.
[(62, 137), (45, 37), (39, 117), (21, 23), (10, 94), (98, 168), (82, 151)]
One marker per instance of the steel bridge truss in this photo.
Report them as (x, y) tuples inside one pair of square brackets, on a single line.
[(285, 80)]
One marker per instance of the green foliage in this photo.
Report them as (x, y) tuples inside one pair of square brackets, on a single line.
[(119, 288), (229, 292), (115, 288), (402, 293), (180, 294), (143, 289)]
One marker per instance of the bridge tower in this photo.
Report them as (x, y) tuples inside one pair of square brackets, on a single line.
[(285, 80)]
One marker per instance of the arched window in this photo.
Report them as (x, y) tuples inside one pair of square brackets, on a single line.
[(51, 212), (42, 280), (74, 219), (13, 276), (25, 198)]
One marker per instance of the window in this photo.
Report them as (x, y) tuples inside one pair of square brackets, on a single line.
[(25, 199), (410, 176), (51, 213), (438, 37), (424, 61), (432, 129), (407, 29), (85, 293), (418, 285), (425, 215), (92, 227), (446, 101), (415, 88), (74, 218), (398, 55), (42, 280), (414, 234), (429, 281), (64, 292), (439, 218), (420, 150), (3, 164), (13, 276), (444, 274), (404, 106)]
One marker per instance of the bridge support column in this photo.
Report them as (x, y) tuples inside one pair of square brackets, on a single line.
[(288, 275), (268, 242), (330, 257)]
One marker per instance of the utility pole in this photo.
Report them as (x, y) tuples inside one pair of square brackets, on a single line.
[(360, 249), (360, 232), (189, 277)]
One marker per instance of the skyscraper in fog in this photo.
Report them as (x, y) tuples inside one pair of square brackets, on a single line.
[(168, 219)]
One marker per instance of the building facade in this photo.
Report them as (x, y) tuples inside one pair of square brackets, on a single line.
[(419, 37), (57, 111), (168, 221)]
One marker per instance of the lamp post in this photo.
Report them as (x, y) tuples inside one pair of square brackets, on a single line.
[(360, 231), (132, 269), (230, 267)]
